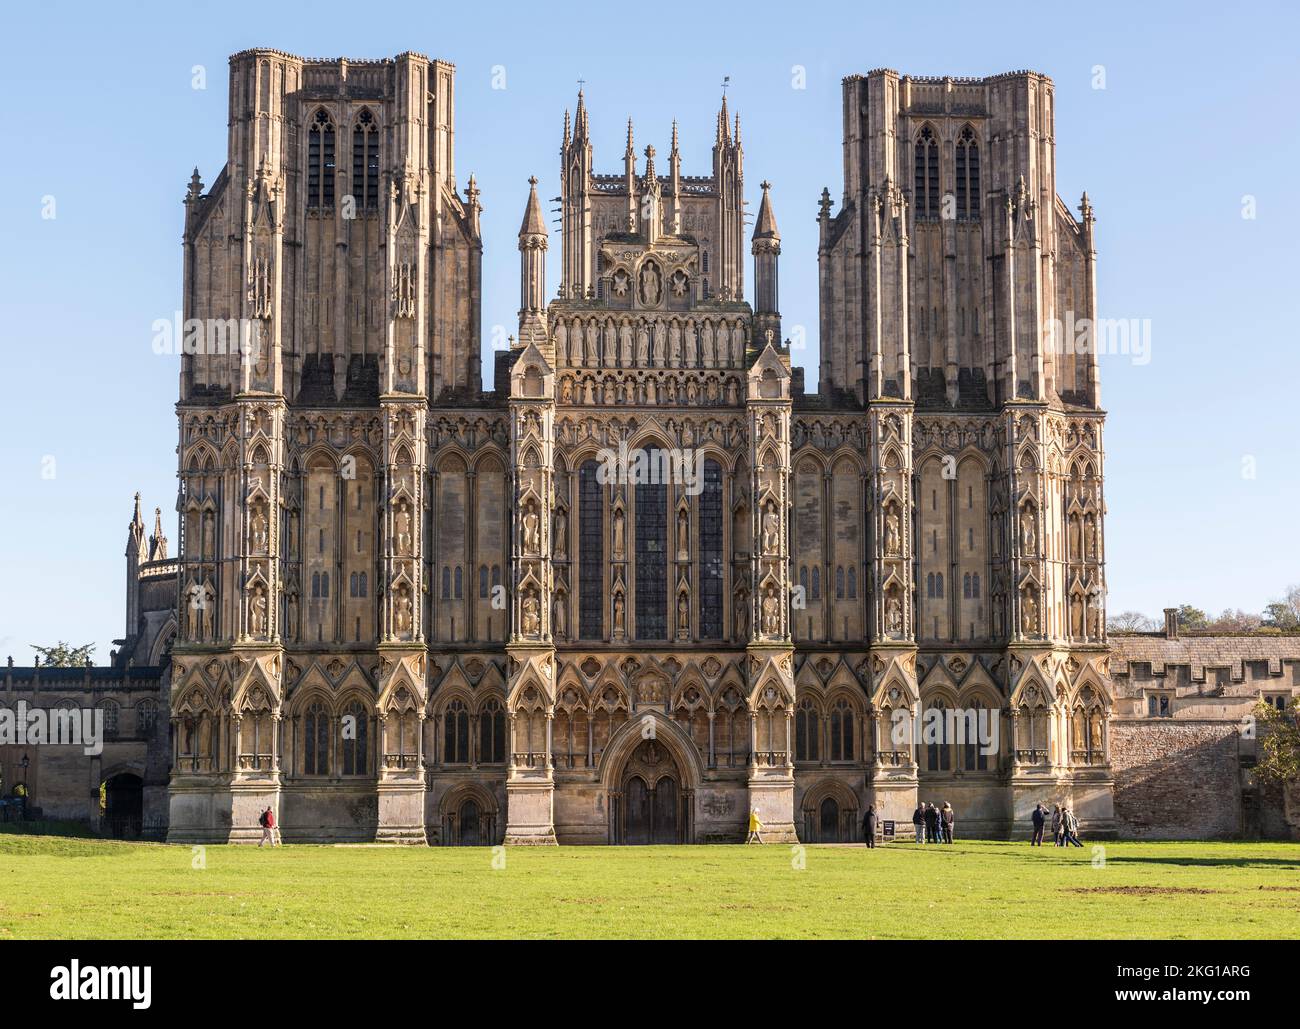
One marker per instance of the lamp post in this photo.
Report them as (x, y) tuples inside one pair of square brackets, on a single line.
[(23, 764)]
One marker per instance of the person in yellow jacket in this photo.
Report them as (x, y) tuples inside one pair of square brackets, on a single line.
[(755, 827)]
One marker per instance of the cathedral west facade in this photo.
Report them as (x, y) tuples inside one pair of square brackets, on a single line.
[(648, 583)]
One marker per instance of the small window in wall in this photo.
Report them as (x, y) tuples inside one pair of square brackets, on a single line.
[(1160, 705), (1278, 701)]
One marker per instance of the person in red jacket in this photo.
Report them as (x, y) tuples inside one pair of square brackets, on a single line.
[(267, 822)]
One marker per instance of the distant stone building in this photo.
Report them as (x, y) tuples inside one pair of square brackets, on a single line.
[(649, 583)]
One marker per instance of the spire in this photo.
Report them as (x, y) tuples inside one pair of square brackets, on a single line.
[(765, 224), (580, 118), (631, 150), (565, 141), (651, 180), (675, 152), (136, 526), (534, 224), (157, 542), (737, 141), (135, 545)]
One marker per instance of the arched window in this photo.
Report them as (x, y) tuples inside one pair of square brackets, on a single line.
[(324, 584), (146, 717), (934, 728), (975, 586), (352, 585), (974, 757), (492, 734), (968, 175), (365, 161), (965, 586), (925, 184), (356, 740), (316, 741), (460, 582), (455, 750), (929, 585), (320, 161), (446, 582), (364, 584), (816, 583), (110, 712), (315, 584), (591, 554), (652, 552), (853, 583), (803, 579), (711, 553), (839, 582), (807, 731), (938, 584), (483, 582), (842, 730)]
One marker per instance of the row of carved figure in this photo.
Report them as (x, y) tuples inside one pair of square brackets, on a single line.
[(593, 343)]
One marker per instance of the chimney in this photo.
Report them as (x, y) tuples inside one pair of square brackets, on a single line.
[(1171, 623)]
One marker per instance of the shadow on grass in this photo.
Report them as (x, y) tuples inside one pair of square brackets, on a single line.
[(1193, 862)]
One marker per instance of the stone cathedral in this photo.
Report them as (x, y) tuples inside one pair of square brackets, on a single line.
[(648, 584)]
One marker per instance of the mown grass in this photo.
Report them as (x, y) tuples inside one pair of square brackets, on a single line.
[(63, 888)]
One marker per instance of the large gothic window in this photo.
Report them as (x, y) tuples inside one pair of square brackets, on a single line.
[(651, 555), (842, 731), (455, 749), (492, 734), (711, 553), (320, 161), (591, 554), (968, 175), (316, 741), (807, 729), (355, 741), (365, 161), (925, 185)]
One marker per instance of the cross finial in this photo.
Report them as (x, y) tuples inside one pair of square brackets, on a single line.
[(532, 180), (726, 81), (581, 83)]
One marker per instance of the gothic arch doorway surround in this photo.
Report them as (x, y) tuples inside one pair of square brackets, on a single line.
[(650, 770)]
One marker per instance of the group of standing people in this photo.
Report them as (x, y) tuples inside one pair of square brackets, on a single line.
[(933, 824), (1065, 826)]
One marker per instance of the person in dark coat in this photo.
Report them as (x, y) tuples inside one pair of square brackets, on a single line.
[(947, 818), (918, 822), (1039, 818), (869, 825), (932, 824)]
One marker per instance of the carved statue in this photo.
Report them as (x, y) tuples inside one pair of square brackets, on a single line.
[(532, 530), (674, 346), (402, 528), (1027, 531), (893, 539), (683, 534), (642, 345), (651, 286), (207, 603), (566, 391), (402, 611), (691, 357), (1092, 538), (618, 534), (257, 606), (618, 614), (706, 343), (258, 525), (610, 352), (625, 345), (771, 613), (561, 534), (532, 614), (723, 344), (558, 624), (894, 616), (741, 616), (1029, 614), (561, 343), (771, 528), (683, 614)]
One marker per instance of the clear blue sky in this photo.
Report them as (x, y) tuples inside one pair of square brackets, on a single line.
[(1198, 110)]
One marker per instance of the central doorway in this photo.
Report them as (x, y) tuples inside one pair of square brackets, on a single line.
[(651, 809)]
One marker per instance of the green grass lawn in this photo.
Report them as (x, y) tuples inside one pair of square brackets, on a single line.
[(54, 887)]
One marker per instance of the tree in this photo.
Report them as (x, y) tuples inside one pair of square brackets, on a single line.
[(1284, 613), (1130, 621), (1235, 621), (1278, 733), (65, 655), (1191, 617)]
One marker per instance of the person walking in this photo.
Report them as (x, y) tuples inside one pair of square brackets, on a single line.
[(1039, 817), (948, 817), (267, 822), (918, 822), (755, 827), (1071, 829), (869, 826), (1056, 825)]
